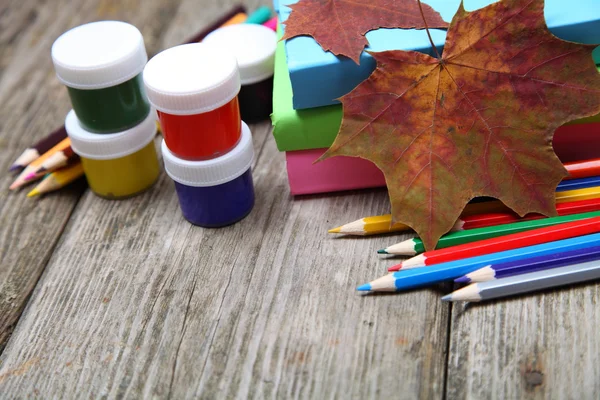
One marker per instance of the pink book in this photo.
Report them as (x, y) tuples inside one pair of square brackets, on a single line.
[(571, 143)]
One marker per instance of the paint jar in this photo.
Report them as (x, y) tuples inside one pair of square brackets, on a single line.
[(217, 192), (254, 48), (194, 89), (116, 165), (101, 64)]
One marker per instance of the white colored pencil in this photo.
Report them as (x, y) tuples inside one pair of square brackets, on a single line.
[(525, 283)]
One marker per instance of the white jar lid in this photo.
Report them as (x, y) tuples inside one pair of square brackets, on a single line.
[(215, 171), (191, 79), (99, 55), (97, 146), (254, 47)]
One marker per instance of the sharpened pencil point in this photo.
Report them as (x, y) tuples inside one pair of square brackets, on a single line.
[(394, 268), (30, 176), (463, 279), (14, 168), (447, 297), (335, 230), (33, 193), (382, 251), (364, 288)]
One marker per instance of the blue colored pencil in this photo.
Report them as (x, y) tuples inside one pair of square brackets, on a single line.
[(581, 183), (418, 277), (503, 270)]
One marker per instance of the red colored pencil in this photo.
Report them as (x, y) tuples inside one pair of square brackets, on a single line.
[(502, 243), (493, 219), (583, 169)]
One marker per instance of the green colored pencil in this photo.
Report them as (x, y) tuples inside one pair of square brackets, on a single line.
[(414, 246)]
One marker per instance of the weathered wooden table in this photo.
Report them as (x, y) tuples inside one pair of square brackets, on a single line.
[(125, 299)]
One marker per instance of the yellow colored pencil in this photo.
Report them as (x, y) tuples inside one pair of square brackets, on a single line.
[(35, 165), (383, 223), (58, 179)]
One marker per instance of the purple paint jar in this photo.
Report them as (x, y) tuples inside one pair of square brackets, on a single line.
[(254, 48), (217, 192)]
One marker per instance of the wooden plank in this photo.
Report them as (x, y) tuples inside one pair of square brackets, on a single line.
[(531, 347), (34, 103), (136, 302)]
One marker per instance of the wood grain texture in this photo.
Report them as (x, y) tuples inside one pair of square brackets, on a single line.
[(140, 303), (136, 302), (35, 103), (530, 347)]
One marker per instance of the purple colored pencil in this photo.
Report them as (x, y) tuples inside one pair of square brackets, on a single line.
[(559, 259), (32, 153)]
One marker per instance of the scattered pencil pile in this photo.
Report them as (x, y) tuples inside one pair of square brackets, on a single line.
[(497, 252), (51, 158)]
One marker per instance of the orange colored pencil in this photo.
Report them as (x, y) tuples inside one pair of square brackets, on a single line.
[(35, 165), (54, 162), (503, 243)]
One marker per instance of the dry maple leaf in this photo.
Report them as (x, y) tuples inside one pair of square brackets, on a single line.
[(340, 26), (477, 121)]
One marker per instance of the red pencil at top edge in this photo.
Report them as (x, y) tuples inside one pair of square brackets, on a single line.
[(583, 168), (494, 219), (503, 243)]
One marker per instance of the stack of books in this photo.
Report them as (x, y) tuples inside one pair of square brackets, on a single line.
[(306, 115)]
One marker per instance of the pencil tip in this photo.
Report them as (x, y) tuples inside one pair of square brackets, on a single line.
[(394, 268), (30, 176), (335, 230), (382, 251), (364, 288), (14, 167), (33, 193), (463, 279), (448, 297)]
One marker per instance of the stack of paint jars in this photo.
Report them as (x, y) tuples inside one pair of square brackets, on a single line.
[(207, 149), (111, 126)]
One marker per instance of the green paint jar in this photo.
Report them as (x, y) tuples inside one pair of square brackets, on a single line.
[(101, 64)]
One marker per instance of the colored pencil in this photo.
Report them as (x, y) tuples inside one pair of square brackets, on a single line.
[(583, 169), (32, 153), (271, 24), (419, 277), (493, 219), (383, 223), (415, 246), (58, 179), (54, 162), (578, 183), (238, 18), (526, 283), (233, 13), (261, 15), (532, 237), (33, 166), (503, 270)]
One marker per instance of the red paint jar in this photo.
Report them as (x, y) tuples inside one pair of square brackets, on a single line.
[(194, 89)]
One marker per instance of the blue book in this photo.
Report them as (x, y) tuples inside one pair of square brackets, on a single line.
[(319, 77)]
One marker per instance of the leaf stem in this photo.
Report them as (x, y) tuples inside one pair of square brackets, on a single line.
[(427, 29)]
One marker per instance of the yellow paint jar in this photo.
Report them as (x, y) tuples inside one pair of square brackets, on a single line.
[(116, 165)]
